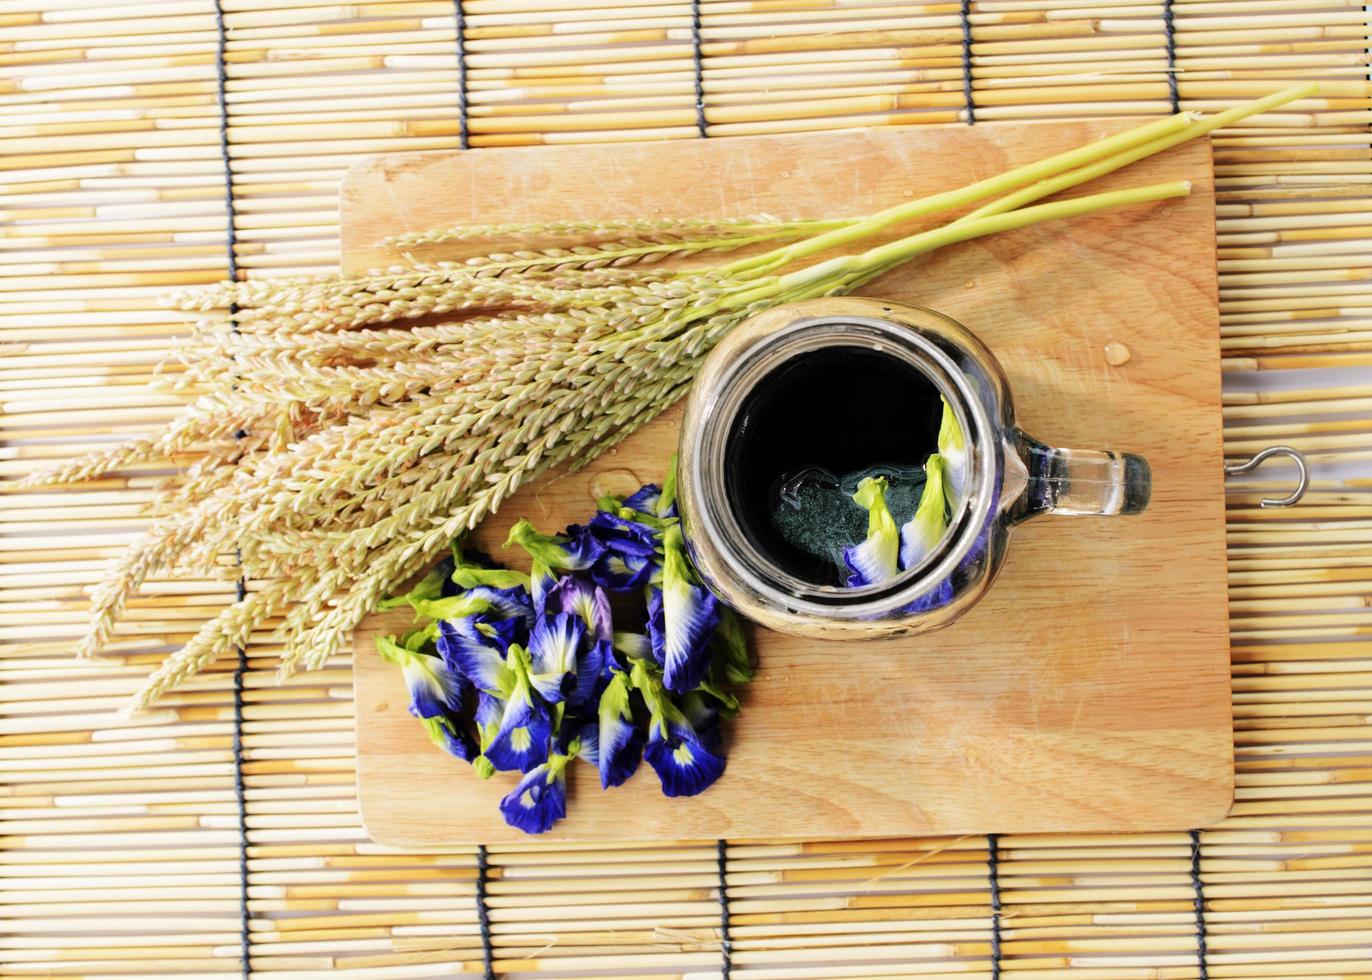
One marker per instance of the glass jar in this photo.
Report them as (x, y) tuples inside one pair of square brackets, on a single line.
[(797, 379)]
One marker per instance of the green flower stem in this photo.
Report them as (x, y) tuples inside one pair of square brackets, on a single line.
[(849, 271), (1039, 170), (1049, 176), (1201, 127)]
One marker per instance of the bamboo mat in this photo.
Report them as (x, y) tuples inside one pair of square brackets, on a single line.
[(219, 835)]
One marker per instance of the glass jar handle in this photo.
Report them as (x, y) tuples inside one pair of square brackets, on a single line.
[(1082, 481)]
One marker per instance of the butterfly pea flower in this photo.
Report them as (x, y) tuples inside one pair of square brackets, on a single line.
[(490, 710), (730, 648), (593, 673), (447, 735), (660, 502), (619, 742), (469, 575), (552, 554), (952, 446), (515, 603), (630, 548), (686, 763), (540, 799), (681, 618), (435, 689), (874, 560), (526, 725), (632, 646), (923, 533), (585, 599), (645, 500), (554, 648), (477, 651)]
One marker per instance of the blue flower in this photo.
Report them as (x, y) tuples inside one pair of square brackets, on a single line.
[(729, 648), (553, 648), (477, 650), (629, 553), (435, 689), (687, 760), (952, 446), (592, 672), (514, 603), (540, 799), (619, 741), (573, 551), (681, 618), (645, 499), (620, 572), (522, 740), (684, 763), (446, 734), (490, 709), (874, 560), (923, 533), (579, 596), (551, 554), (659, 502)]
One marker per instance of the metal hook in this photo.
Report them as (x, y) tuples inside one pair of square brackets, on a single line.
[(1295, 455)]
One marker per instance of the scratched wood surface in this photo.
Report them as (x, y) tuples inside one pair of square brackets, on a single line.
[(1088, 692)]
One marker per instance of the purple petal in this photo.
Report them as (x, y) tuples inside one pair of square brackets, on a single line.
[(523, 739), (644, 499), (474, 655), (435, 689), (585, 599), (506, 603), (592, 670), (445, 733), (681, 619), (538, 802), (553, 648), (683, 762)]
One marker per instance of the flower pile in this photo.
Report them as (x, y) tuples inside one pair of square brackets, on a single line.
[(886, 552), (516, 672)]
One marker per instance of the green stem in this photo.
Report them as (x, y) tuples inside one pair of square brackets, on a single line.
[(1049, 176), (1110, 164), (1039, 170), (851, 271)]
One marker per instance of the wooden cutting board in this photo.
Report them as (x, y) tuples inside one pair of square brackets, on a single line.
[(1089, 691)]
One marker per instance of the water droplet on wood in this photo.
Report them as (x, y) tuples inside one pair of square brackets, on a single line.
[(1116, 354)]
